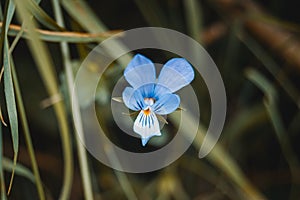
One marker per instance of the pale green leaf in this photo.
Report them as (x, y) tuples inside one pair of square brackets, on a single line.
[(42, 16), (10, 99), (8, 165)]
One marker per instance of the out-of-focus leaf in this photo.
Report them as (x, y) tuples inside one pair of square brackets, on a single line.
[(8, 85), (42, 16), (1, 13), (9, 11), (271, 105), (69, 72), (20, 170), (193, 17), (84, 15), (2, 181), (220, 158), (1, 117), (118, 99), (152, 12), (271, 66), (46, 69), (24, 122), (71, 37)]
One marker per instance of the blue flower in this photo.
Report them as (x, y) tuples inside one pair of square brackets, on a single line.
[(151, 96)]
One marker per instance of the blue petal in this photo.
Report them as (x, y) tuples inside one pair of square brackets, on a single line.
[(144, 141), (140, 71), (147, 126), (176, 74), (160, 90), (166, 104), (133, 99), (147, 91)]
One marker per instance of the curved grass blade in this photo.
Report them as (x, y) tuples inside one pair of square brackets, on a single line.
[(271, 105), (8, 85), (28, 140), (46, 69), (2, 181), (82, 155), (84, 15), (42, 16), (11, 105), (21, 170), (221, 159), (271, 66), (54, 36)]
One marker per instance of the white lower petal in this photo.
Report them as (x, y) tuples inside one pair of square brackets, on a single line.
[(146, 125)]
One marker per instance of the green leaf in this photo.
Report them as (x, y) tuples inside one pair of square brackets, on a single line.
[(1, 13), (275, 118), (24, 123), (9, 11), (10, 102), (8, 165), (85, 16), (10, 98), (46, 68), (193, 14), (71, 37), (42, 16), (8, 84)]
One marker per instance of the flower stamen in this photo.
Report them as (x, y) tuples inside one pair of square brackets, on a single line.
[(149, 101)]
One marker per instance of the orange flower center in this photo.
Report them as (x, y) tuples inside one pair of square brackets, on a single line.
[(147, 111)]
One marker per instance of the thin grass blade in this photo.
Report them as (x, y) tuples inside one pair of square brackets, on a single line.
[(21, 170), (42, 16), (9, 88), (271, 105), (46, 69), (82, 155), (2, 181)]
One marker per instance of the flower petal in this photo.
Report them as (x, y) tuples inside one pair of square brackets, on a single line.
[(147, 126), (133, 99), (176, 74), (147, 90), (140, 71), (166, 104)]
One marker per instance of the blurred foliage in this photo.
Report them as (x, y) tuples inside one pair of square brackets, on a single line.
[(256, 46)]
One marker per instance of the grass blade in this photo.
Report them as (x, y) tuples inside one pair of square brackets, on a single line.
[(221, 159), (1, 13), (28, 140), (8, 165), (9, 10), (83, 14), (42, 16), (152, 12), (84, 167), (271, 105), (271, 66), (2, 181), (193, 18), (11, 105), (46, 69), (8, 85), (54, 36)]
